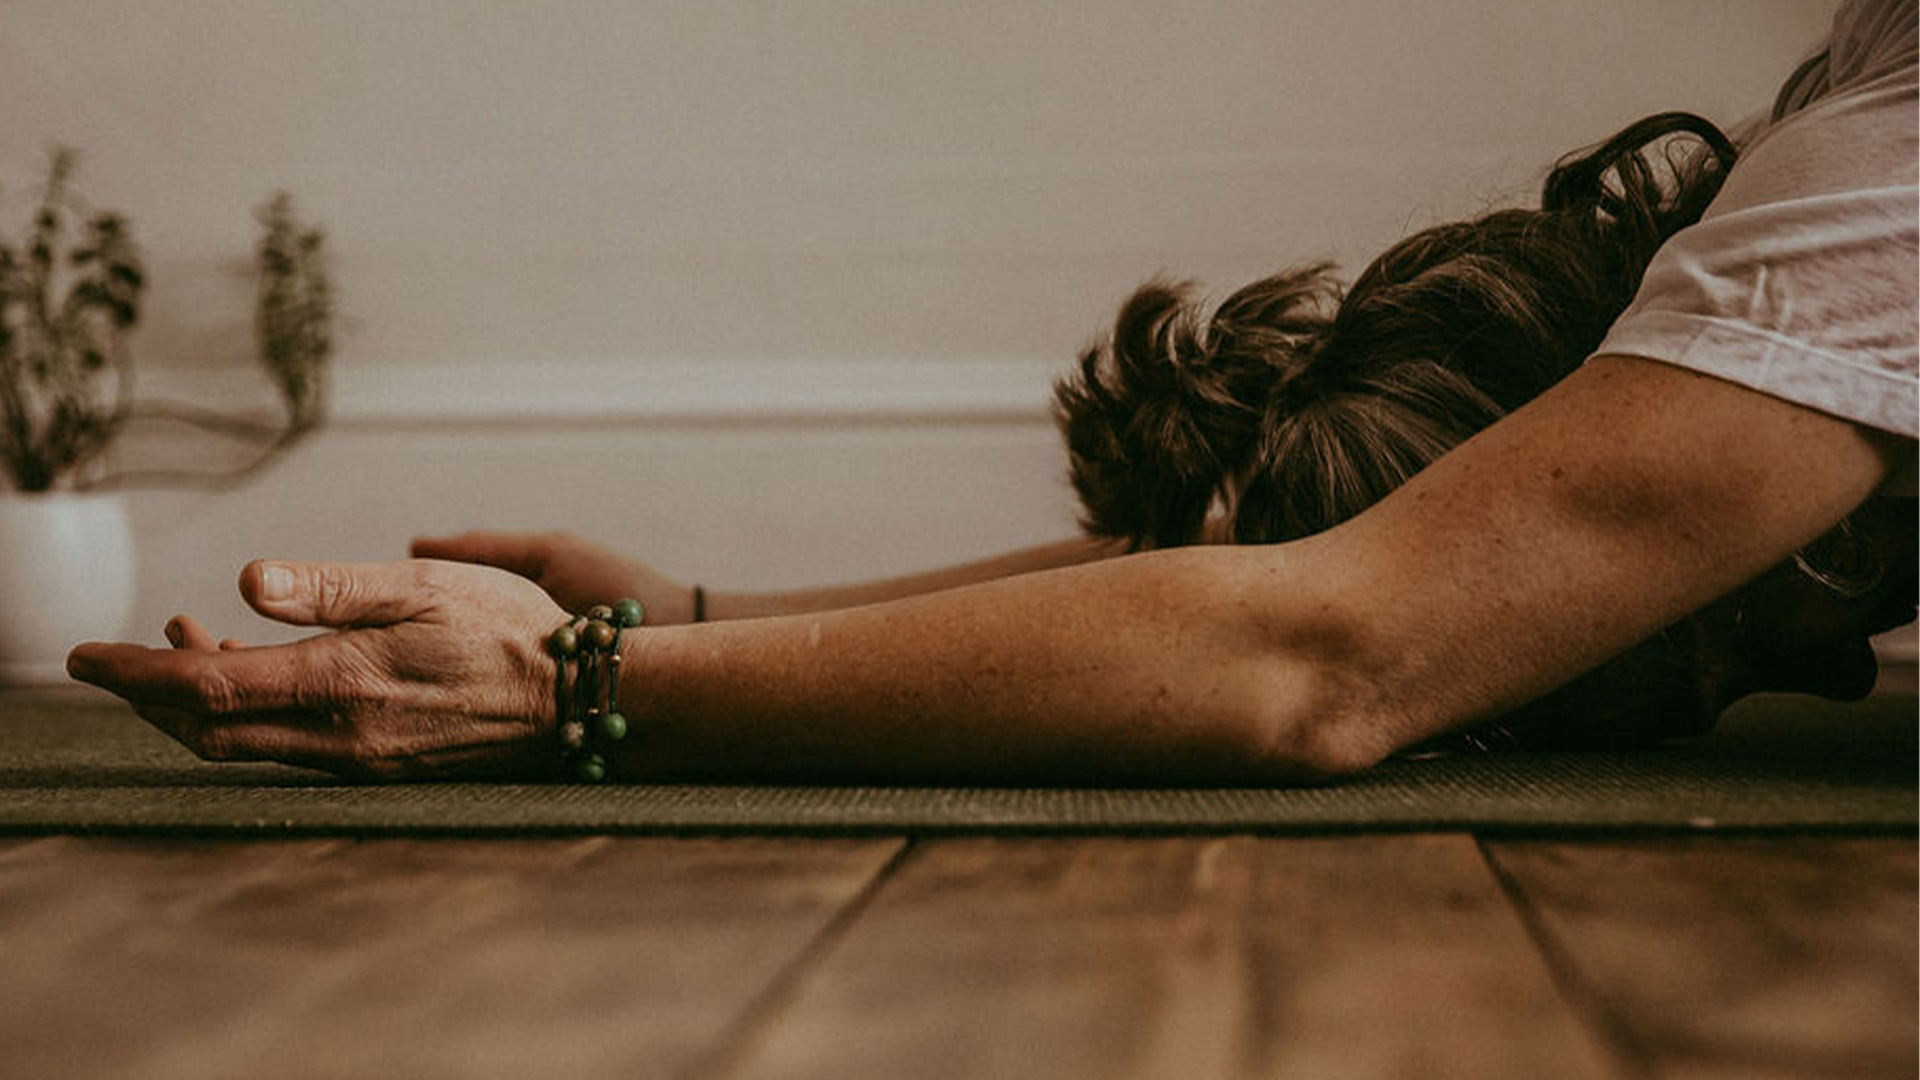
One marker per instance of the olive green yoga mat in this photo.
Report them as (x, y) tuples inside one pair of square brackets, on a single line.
[(78, 763)]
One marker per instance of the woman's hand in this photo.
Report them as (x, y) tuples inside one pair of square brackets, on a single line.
[(432, 669), (576, 573)]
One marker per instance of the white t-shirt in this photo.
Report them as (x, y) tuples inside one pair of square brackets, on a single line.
[(1801, 280)]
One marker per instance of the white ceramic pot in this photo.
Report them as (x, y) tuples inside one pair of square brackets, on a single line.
[(66, 576)]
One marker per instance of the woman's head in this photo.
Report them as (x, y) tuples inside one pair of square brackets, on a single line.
[(1295, 405)]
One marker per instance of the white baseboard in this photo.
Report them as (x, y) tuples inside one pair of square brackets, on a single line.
[(692, 391)]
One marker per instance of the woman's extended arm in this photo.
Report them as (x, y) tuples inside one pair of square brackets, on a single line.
[(579, 574), (1061, 553), (1633, 494), (1617, 503), (1627, 496)]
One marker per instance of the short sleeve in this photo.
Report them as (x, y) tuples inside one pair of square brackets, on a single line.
[(1801, 280)]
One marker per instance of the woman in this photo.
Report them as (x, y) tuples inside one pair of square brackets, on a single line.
[(1293, 408), (1758, 390)]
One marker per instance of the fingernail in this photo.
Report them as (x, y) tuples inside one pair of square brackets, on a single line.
[(173, 633), (80, 665), (276, 582)]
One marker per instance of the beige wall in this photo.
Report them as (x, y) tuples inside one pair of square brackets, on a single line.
[(718, 178), (591, 254)]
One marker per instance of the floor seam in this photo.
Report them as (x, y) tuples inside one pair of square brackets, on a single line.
[(737, 1039), (1615, 1037)]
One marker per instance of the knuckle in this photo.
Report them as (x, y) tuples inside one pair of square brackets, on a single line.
[(213, 692), (305, 694), (217, 744), (368, 759), (333, 589), (431, 585)]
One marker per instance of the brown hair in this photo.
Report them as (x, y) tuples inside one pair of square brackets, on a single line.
[(1295, 406)]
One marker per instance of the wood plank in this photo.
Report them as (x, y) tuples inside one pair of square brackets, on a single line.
[(1738, 958), (1112, 958), (417, 958), (89, 979)]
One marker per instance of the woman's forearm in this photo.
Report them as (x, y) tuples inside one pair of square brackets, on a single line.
[(725, 605), (1626, 497), (1154, 668)]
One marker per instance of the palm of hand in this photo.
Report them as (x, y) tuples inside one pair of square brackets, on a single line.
[(432, 669)]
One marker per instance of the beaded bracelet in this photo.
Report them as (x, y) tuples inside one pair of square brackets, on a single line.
[(586, 703)]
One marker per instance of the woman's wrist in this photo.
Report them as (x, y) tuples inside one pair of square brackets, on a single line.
[(586, 688)]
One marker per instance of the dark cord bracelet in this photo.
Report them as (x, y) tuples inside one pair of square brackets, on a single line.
[(586, 687), (699, 604)]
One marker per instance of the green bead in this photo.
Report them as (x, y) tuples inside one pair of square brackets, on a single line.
[(628, 612), (597, 635), (600, 611), (613, 727), (563, 642), (590, 769)]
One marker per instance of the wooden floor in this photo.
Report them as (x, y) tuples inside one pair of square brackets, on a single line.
[(1369, 956)]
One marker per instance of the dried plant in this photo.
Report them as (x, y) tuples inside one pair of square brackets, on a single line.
[(68, 305), (293, 316)]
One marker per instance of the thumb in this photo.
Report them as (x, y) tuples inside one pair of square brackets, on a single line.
[(520, 553), (336, 594)]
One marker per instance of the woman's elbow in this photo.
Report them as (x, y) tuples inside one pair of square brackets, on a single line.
[(1318, 750), (1322, 728), (1303, 676)]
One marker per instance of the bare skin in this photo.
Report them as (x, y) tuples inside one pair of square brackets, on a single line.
[(1627, 496), (579, 574)]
